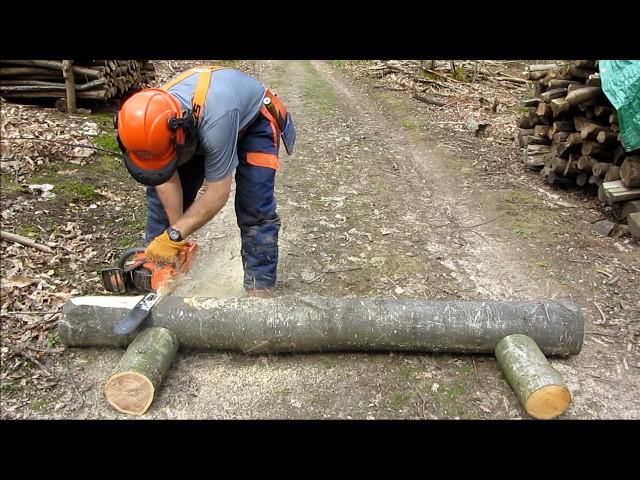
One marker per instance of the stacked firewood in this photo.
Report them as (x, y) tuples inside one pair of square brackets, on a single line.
[(92, 79), (569, 132)]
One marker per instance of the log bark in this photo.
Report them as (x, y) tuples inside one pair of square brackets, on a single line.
[(55, 65), (594, 149), (583, 95), (533, 161), (312, 324), (586, 163), (429, 100), (561, 137), (595, 180), (613, 173), (531, 102), (544, 110), (629, 208), (571, 139), (559, 107), (67, 70), (600, 168), (607, 137), (541, 130), (581, 73), (585, 63), (562, 126), (557, 83), (602, 111), (630, 171), (551, 94), (582, 179), (556, 178), (591, 130), (633, 220), (539, 387), (135, 380)]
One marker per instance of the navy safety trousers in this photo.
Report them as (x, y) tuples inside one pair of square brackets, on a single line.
[(255, 203)]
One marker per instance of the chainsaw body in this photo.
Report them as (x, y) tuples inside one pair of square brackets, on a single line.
[(143, 275)]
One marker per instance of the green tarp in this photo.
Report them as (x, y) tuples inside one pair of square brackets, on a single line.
[(621, 84)]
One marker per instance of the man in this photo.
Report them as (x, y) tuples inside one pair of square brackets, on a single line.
[(199, 128)]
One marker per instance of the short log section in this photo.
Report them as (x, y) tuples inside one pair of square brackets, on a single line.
[(539, 387), (132, 386)]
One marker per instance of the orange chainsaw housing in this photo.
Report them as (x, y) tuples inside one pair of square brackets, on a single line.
[(161, 274)]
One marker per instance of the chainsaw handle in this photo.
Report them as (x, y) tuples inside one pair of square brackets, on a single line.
[(126, 254)]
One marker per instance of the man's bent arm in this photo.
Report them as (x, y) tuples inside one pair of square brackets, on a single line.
[(205, 207), (170, 194)]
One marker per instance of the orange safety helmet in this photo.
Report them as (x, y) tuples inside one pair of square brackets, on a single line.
[(154, 134)]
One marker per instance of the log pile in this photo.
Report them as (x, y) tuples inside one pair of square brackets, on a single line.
[(569, 132), (92, 79)]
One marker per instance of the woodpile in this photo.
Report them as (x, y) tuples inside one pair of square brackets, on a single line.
[(91, 79), (569, 132)]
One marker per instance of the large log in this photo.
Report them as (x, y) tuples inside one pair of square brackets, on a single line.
[(539, 387), (136, 378), (312, 324)]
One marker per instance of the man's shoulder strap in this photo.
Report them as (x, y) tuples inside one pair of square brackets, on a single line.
[(202, 87)]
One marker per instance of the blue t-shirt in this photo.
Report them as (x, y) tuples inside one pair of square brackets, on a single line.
[(233, 101)]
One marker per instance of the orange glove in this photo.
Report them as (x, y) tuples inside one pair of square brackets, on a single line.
[(163, 249)]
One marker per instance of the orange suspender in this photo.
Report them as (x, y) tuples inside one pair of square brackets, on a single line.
[(202, 87)]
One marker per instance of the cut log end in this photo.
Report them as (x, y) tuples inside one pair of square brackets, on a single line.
[(548, 402), (129, 392)]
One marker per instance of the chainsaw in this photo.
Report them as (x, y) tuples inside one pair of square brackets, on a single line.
[(135, 273)]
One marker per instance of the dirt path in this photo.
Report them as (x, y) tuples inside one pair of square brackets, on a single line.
[(374, 205)]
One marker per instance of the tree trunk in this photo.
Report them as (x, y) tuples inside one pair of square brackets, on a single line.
[(312, 324), (136, 378), (539, 387), (630, 171)]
